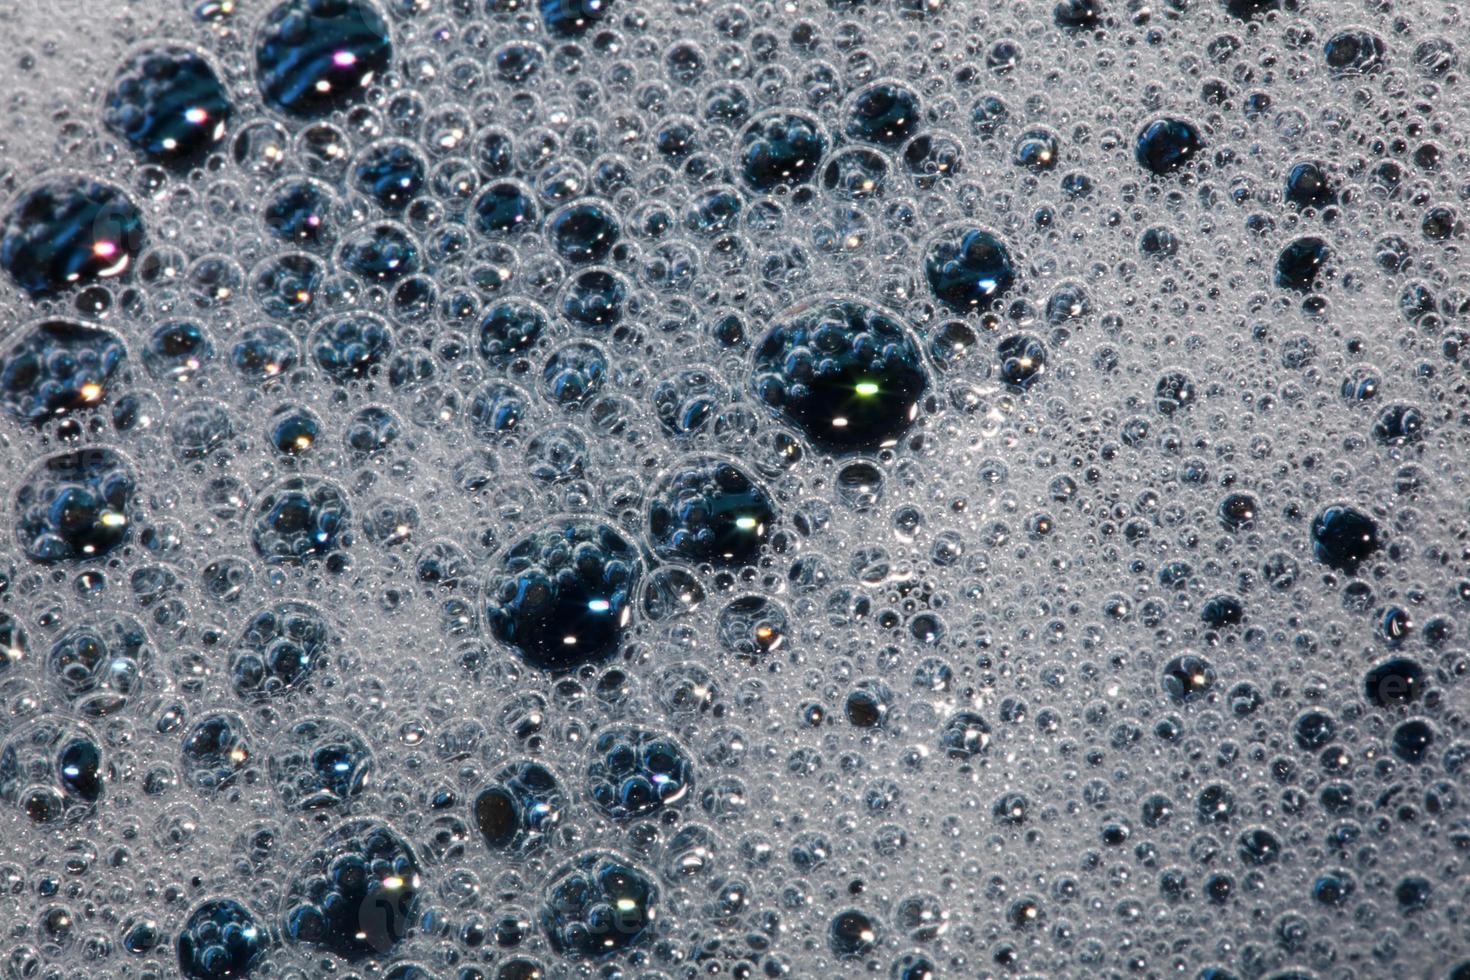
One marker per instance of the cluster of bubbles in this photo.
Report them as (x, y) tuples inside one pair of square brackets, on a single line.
[(685, 488)]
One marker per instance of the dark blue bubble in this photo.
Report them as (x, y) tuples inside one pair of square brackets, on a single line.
[(933, 157), (1188, 678), (168, 104), (518, 62), (294, 430), (177, 351), (350, 346), (988, 114), (52, 770), (1159, 243), (263, 353), (968, 268), (357, 895), (1313, 730), (1334, 888), (1300, 263), (965, 735), (300, 212), (562, 596), (370, 431), (847, 374), (886, 113), (1222, 611), (856, 173), (301, 519), (1038, 150), (69, 231), (1394, 682), (1344, 537), (504, 208), (100, 665), (1174, 393), (1413, 893), (714, 212), (1411, 740), (571, 18), (287, 285), (216, 750), (1166, 145), (381, 253), (493, 152), (522, 805), (221, 938), (313, 57), (635, 772), (598, 905), (1022, 360), (319, 763), (574, 373), (1237, 511), (852, 934), (583, 232), (509, 329), (1398, 425), (595, 299), (1077, 15), (709, 511), (75, 506), (726, 104), (280, 647), (497, 408), (914, 966), (79, 769), (1258, 847), (676, 139), (1354, 52), (56, 368), (780, 148), (390, 172), (1308, 186), (1252, 9)]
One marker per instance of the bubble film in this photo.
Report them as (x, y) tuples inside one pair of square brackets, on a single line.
[(673, 489)]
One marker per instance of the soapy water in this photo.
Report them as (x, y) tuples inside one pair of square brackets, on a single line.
[(905, 488)]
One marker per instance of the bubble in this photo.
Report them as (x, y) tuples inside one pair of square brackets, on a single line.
[(598, 904), (846, 373), (1167, 145), (707, 510), (351, 345), (312, 59), (886, 113), (221, 938), (320, 763), (583, 232), (168, 103), (301, 519), (217, 750), (520, 808), (301, 213), (504, 208), (780, 148), (69, 231), (57, 367), (52, 769), (357, 894), (968, 267), (561, 596), (635, 772), (1300, 263), (1343, 537), (75, 506)]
